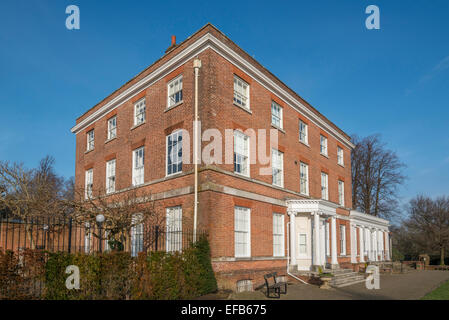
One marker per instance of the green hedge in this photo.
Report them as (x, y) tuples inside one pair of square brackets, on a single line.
[(116, 275)]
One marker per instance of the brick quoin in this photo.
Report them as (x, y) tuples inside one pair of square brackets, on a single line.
[(216, 110)]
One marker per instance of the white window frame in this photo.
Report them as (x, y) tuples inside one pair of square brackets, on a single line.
[(174, 90), (89, 183), (278, 235), (110, 176), (304, 178), (112, 128), (323, 145), (242, 230), (340, 156), (140, 109), (137, 234), (342, 240), (303, 136), (173, 229), (279, 117), (174, 155), (324, 186), (87, 238), (138, 170), (241, 94), (302, 245), (280, 154), (90, 140), (341, 193), (241, 154)]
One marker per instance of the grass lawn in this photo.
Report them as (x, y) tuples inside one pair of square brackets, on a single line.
[(440, 293)]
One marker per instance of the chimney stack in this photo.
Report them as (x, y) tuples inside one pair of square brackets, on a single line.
[(173, 44)]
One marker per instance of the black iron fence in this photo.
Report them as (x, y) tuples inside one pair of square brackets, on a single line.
[(64, 234)]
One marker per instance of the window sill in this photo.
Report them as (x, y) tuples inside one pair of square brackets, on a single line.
[(138, 125), (244, 109), (306, 144), (324, 155), (109, 140), (174, 106), (88, 151), (173, 174), (341, 165), (279, 128), (242, 175)]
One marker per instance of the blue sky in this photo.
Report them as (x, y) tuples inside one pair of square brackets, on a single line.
[(393, 81)]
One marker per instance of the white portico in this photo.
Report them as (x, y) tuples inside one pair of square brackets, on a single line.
[(312, 233), (370, 238)]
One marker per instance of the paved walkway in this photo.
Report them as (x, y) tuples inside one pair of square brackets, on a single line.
[(408, 286)]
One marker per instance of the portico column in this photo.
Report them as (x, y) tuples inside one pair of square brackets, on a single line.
[(353, 243), (334, 261), (316, 238), (361, 247), (292, 237), (376, 246), (387, 246)]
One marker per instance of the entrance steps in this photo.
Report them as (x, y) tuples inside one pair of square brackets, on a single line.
[(344, 277)]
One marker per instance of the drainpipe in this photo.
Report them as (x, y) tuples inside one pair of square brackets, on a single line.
[(196, 66), (288, 256)]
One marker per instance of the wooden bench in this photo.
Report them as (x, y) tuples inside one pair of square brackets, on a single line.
[(273, 285)]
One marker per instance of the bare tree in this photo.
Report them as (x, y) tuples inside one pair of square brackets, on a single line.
[(428, 224), (122, 212), (376, 177), (31, 193)]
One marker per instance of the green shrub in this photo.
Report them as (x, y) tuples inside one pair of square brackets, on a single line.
[(113, 275)]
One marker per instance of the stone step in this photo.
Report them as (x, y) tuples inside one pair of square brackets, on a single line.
[(349, 283), (345, 275), (346, 281)]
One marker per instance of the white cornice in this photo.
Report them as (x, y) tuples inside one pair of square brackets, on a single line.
[(367, 220), (205, 42)]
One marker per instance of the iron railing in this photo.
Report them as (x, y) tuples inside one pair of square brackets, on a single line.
[(63, 234)]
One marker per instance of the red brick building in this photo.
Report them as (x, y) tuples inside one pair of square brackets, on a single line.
[(297, 216)]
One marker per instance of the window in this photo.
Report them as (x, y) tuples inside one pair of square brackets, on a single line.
[(174, 152), (136, 234), (278, 235), (277, 159), (303, 132), (341, 193), (87, 238), (324, 186), (112, 128), (139, 112), (340, 156), (90, 140), (138, 166), (242, 232), (342, 240), (304, 178), (241, 93), (110, 176), (175, 91), (323, 145), (241, 153), (276, 114), (89, 183), (174, 229), (303, 244)]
